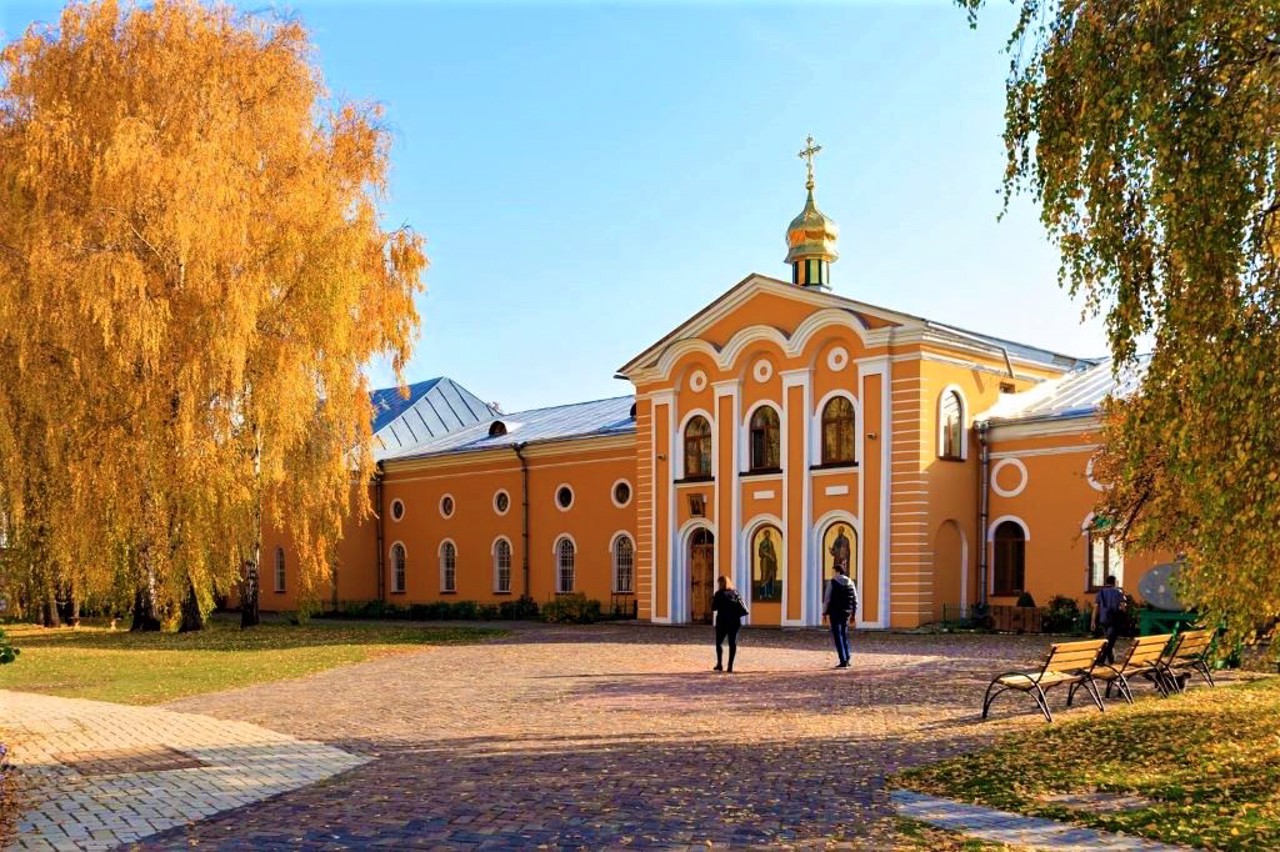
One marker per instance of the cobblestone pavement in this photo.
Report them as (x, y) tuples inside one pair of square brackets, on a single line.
[(1016, 829), (617, 735), (98, 775)]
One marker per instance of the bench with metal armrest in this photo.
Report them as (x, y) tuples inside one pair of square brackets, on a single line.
[(1191, 651), (1144, 659), (1070, 663)]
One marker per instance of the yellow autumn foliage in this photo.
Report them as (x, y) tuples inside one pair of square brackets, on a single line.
[(193, 274)]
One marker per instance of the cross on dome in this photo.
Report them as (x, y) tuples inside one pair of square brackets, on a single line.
[(810, 151)]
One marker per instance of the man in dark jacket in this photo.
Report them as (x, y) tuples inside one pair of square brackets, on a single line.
[(1108, 614), (839, 602)]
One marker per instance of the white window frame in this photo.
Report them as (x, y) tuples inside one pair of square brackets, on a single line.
[(497, 568), (613, 561), (447, 548), (403, 568), (942, 429), (565, 538)]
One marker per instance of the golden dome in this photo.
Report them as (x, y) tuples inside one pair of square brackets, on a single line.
[(812, 234)]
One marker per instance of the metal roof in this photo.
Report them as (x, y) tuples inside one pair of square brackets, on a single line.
[(434, 408), (1077, 394), (578, 420)]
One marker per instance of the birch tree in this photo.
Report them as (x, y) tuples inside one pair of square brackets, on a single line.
[(193, 274), (1149, 131)]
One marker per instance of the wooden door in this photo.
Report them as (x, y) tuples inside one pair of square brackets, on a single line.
[(702, 581)]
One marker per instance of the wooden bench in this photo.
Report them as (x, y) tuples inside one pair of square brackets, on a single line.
[(1190, 652), (1072, 663), (1144, 658)]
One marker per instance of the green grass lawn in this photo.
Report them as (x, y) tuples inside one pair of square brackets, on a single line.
[(149, 668), (1208, 761)]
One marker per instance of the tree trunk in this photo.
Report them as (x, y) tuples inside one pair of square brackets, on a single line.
[(146, 619), (192, 616), (49, 615), (249, 616)]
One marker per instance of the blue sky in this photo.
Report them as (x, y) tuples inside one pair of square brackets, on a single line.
[(588, 175)]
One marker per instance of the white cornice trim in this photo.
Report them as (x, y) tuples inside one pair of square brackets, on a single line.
[(1049, 428)]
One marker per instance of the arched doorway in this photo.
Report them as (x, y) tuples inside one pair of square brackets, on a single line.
[(950, 570), (702, 571)]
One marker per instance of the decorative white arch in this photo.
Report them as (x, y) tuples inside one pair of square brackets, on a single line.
[(678, 587), (790, 347), (555, 548), (811, 609), (991, 530), (964, 421)]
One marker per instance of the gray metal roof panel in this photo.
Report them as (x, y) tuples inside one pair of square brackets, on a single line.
[(577, 420), (1077, 394)]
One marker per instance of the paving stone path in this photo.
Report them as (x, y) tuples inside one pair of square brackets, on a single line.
[(98, 775), (612, 736), (1016, 829)]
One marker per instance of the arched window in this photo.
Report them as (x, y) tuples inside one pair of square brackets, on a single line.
[(502, 566), (697, 448), (1009, 559), (448, 567), (1103, 555), (624, 561), (765, 439), (837, 431), (564, 565), (397, 567), (279, 569), (951, 425)]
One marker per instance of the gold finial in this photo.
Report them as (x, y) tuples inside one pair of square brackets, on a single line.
[(810, 151)]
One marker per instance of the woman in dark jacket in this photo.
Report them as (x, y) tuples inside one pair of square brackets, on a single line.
[(727, 611)]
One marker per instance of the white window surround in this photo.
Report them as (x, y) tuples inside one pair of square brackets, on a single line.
[(815, 424), (613, 561), (495, 501), (453, 505), (497, 568), (392, 567), (1114, 565), (394, 517), (562, 539), (630, 496), (445, 547), (677, 468), (964, 422), (744, 430), (555, 496)]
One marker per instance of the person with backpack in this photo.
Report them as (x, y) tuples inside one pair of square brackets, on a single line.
[(1109, 609), (727, 610), (839, 603)]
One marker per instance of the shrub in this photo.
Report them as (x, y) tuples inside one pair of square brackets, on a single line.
[(571, 609), (1062, 616), (463, 610), (980, 615), (8, 653), (521, 609), (1025, 599)]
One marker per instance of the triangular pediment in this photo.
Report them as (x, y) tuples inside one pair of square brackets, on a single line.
[(785, 306)]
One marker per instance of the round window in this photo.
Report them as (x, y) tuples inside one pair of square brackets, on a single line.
[(397, 510), (622, 493), (501, 502), (446, 505), (564, 496)]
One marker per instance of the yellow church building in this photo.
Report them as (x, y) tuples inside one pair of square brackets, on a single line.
[(779, 429)]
